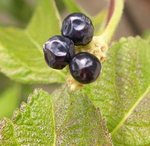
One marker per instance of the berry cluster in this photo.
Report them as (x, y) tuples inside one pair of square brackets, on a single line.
[(59, 51)]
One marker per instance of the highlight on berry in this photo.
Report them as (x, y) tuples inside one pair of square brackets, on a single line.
[(59, 51)]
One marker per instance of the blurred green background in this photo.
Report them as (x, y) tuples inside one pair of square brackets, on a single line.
[(17, 13)]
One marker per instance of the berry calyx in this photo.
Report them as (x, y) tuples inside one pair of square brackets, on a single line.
[(58, 51), (85, 67), (79, 28)]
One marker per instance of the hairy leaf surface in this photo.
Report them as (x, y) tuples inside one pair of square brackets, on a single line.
[(122, 89), (62, 118), (21, 52)]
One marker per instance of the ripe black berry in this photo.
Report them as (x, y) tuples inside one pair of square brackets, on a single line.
[(78, 28), (85, 67), (58, 51)]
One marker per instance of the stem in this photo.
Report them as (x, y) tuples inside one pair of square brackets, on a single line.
[(114, 16), (110, 10)]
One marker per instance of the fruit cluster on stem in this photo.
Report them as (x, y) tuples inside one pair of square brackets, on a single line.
[(79, 49)]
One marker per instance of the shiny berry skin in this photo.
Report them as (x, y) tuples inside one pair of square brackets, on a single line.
[(58, 51), (85, 67), (78, 28)]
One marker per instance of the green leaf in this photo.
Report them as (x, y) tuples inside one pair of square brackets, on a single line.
[(5, 5), (134, 129), (9, 101), (65, 119), (45, 22), (33, 124), (72, 6), (17, 10), (99, 22), (21, 60), (146, 35), (21, 50), (78, 122), (123, 91)]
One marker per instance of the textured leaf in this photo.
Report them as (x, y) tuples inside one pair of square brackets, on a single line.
[(134, 129), (65, 119), (21, 50), (21, 60), (32, 125), (9, 96), (78, 122), (122, 92)]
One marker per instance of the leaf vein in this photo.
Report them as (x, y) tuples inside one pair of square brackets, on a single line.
[(130, 111)]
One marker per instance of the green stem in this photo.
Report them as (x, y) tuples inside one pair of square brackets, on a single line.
[(114, 17)]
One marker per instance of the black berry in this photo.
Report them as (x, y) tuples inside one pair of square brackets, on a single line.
[(58, 51), (85, 67), (78, 28)]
